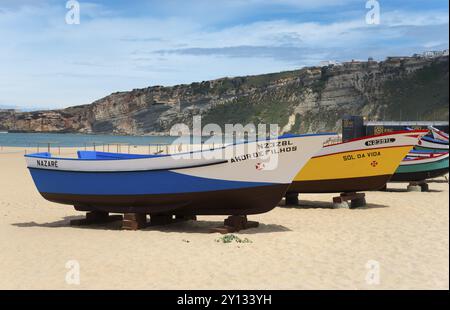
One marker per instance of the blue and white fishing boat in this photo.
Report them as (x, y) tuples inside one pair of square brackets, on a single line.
[(431, 144), (238, 179), (435, 141)]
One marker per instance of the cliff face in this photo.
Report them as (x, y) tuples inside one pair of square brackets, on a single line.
[(310, 99)]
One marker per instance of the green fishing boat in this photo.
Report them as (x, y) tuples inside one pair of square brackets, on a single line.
[(419, 166)]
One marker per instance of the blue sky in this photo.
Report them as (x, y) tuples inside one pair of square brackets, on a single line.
[(121, 45)]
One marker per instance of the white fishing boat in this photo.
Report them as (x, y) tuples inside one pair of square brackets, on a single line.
[(238, 179)]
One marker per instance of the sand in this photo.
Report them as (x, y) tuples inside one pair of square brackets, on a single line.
[(404, 236)]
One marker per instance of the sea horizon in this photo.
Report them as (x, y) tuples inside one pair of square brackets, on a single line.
[(81, 140), (34, 139)]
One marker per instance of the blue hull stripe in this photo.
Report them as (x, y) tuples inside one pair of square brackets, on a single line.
[(129, 183)]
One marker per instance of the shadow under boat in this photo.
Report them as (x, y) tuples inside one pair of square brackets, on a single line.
[(405, 190), (313, 204), (191, 226)]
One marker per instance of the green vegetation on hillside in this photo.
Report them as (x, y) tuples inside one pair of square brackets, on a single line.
[(242, 111), (265, 79), (423, 95)]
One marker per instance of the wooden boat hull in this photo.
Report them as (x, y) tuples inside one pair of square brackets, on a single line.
[(421, 169), (241, 201), (419, 175), (357, 184), (237, 184), (356, 165)]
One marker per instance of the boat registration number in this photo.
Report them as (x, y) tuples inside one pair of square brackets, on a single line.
[(269, 145), (266, 149), (379, 141)]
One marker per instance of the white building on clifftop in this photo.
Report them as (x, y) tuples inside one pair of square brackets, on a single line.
[(432, 54), (325, 63)]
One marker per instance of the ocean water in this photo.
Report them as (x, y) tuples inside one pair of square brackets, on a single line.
[(81, 140)]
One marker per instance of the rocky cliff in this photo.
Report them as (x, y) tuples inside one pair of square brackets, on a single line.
[(306, 100)]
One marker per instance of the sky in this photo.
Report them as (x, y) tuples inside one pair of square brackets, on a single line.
[(46, 62)]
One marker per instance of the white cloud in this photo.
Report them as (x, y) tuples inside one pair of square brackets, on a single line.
[(45, 62), (425, 18), (435, 44)]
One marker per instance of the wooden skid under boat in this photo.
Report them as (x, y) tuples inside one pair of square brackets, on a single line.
[(361, 164), (238, 179)]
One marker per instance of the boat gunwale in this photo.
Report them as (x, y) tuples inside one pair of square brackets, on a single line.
[(414, 151), (127, 171), (398, 132), (37, 155)]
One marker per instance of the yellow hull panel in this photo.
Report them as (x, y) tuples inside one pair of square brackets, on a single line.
[(353, 164)]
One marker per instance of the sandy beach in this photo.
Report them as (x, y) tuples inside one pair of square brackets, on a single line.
[(312, 246)]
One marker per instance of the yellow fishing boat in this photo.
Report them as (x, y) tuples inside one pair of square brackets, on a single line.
[(361, 164)]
